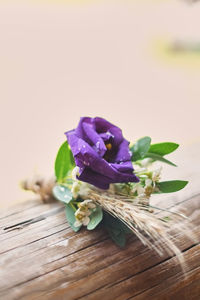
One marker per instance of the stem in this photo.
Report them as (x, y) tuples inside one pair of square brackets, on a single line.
[(171, 212), (73, 207)]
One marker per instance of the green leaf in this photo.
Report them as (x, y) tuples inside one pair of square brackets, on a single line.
[(63, 162), (140, 148), (115, 223), (171, 186), (69, 211), (95, 218), (116, 229), (163, 148), (62, 193), (119, 237), (160, 158)]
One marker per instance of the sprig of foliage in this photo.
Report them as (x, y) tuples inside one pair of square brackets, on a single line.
[(143, 149), (157, 151)]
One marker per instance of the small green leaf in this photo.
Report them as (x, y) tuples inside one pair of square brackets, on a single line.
[(117, 230), (63, 162), (171, 186), (95, 218), (160, 158), (140, 148), (163, 148), (119, 237), (69, 211), (62, 193)]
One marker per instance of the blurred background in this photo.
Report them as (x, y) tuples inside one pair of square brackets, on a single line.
[(133, 62)]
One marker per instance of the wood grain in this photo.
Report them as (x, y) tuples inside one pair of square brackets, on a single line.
[(42, 258)]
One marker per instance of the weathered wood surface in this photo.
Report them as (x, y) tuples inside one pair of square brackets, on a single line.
[(42, 258)]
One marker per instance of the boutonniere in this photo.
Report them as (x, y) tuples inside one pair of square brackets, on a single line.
[(104, 179)]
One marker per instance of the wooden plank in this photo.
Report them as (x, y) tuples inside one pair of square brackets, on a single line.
[(87, 263), (173, 288), (42, 258)]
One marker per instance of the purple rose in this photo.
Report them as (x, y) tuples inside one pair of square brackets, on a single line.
[(101, 153)]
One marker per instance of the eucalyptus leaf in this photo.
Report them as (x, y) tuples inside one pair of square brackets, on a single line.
[(171, 186), (69, 211), (117, 230), (140, 148), (115, 223), (63, 163), (95, 218), (119, 237), (62, 193), (163, 148), (159, 158)]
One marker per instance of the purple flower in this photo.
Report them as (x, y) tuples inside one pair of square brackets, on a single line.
[(101, 153)]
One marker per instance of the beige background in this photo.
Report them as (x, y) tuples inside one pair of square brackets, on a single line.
[(65, 59)]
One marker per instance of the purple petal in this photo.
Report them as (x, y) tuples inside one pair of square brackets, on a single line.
[(117, 135), (94, 178), (114, 175), (94, 139), (79, 131), (123, 166), (83, 153), (101, 125), (101, 181), (123, 153)]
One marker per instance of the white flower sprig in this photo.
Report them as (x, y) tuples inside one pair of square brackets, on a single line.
[(79, 188), (82, 214)]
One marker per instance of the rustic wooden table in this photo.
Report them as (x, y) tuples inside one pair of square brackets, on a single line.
[(42, 258)]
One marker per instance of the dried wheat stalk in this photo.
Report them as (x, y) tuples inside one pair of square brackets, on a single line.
[(42, 187), (151, 229)]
